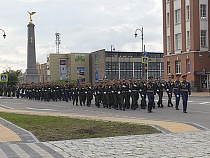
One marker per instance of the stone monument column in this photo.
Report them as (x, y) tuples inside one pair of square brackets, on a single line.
[(31, 71)]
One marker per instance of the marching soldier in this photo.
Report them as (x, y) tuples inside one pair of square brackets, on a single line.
[(160, 88), (142, 91), (75, 94), (185, 90), (89, 94), (176, 90), (82, 94), (169, 89), (125, 91), (151, 91), (134, 94)]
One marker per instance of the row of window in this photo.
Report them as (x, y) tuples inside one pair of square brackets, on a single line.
[(178, 40), (178, 66), (177, 20), (129, 74), (113, 66)]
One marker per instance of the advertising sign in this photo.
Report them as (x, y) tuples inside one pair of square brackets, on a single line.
[(79, 57), (63, 69), (96, 68), (81, 74)]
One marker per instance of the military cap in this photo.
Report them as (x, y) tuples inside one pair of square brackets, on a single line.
[(150, 77), (184, 76), (178, 75)]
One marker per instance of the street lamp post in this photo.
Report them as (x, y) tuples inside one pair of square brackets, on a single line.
[(142, 47), (4, 35), (112, 49)]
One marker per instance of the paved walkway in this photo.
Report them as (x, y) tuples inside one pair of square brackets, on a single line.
[(177, 140)]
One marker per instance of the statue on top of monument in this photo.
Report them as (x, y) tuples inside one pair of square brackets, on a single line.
[(31, 13)]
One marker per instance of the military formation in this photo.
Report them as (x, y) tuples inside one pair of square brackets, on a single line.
[(116, 94)]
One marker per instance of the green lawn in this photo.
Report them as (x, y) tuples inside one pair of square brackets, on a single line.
[(50, 128)]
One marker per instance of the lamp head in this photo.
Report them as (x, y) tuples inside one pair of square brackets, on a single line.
[(135, 35), (4, 36)]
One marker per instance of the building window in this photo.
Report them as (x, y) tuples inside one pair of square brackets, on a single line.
[(168, 43), (188, 39), (177, 16), (203, 38), (178, 41), (188, 12), (188, 65), (178, 66), (203, 10), (168, 67), (168, 19)]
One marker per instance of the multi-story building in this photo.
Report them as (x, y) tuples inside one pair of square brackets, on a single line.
[(101, 65), (72, 67), (116, 65), (186, 38)]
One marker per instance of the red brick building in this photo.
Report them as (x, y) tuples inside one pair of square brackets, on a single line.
[(186, 38)]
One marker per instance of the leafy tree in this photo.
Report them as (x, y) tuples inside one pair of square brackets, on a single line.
[(12, 76)]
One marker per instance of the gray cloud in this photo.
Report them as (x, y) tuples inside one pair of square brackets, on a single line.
[(85, 26)]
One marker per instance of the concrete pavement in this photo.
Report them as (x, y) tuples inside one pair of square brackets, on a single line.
[(177, 137)]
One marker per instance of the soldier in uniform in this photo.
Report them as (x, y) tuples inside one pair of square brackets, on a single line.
[(151, 92), (185, 90), (142, 91), (89, 94), (160, 87), (169, 88), (176, 90), (125, 91), (75, 94), (82, 92), (134, 93)]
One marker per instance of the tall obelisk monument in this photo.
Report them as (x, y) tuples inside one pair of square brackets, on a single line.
[(31, 71)]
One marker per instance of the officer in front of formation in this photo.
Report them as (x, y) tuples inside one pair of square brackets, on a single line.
[(176, 90), (185, 90), (151, 92)]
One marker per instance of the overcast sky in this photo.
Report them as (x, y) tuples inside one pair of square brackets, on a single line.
[(85, 26)]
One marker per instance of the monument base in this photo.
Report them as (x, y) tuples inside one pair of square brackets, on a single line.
[(32, 78)]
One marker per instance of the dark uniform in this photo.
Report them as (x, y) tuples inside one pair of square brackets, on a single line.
[(185, 90), (134, 94), (151, 91), (176, 90), (169, 89), (160, 87), (142, 91)]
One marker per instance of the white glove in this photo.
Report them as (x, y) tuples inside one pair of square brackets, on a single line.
[(167, 89), (118, 92), (158, 90), (104, 92), (129, 90), (177, 95)]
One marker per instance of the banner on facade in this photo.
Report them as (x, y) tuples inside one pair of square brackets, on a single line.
[(81, 74), (96, 68), (79, 57), (63, 69)]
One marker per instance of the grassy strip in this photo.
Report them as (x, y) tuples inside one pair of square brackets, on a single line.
[(50, 128)]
